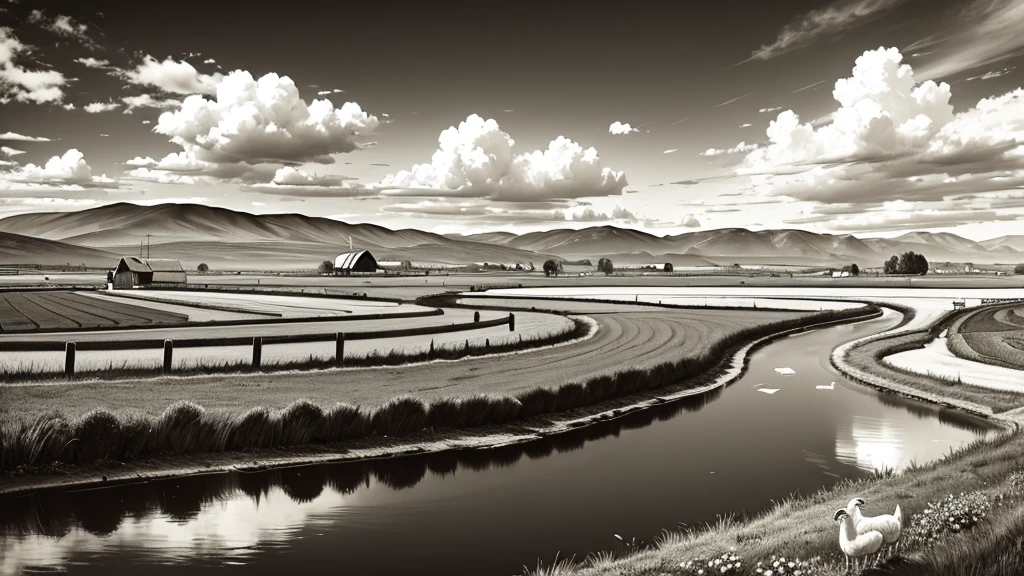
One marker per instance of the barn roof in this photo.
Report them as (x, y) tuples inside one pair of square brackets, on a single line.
[(349, 259), (152, 264)]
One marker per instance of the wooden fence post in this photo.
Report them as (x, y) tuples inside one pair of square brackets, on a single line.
[(339, 349), (168, 353), (257, 351), (69, 359), (476, 316), (511, 322)]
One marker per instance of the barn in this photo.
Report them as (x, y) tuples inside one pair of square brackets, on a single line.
[(356, 261), (132, 272)]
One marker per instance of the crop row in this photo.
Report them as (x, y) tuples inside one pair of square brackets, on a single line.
[(31, 310)]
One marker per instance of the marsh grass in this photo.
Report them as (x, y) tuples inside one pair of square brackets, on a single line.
[(186, 427)]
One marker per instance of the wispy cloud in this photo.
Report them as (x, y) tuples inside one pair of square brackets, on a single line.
[(987, 31), (822, 22), (734, 100), (809, 86)]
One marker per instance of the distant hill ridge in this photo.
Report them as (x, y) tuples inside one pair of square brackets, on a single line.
[(192, 231)]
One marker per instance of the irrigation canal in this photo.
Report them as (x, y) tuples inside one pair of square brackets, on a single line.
[(491, 512)]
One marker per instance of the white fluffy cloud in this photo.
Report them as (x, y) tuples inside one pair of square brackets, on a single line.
[(21, 84), (69, 172), (895, 154), (264, 120), (476, 160), (690, 221), (619, 129), (97, 107), (172, 76)]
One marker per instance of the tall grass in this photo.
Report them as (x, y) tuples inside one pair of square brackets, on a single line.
[(186, 427)]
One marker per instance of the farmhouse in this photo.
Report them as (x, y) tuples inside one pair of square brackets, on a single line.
[(356, 261), (132, 272)]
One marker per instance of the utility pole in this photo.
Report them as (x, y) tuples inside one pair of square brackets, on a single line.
[(147, 245)]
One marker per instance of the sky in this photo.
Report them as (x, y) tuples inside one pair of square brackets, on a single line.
[(871, 117)]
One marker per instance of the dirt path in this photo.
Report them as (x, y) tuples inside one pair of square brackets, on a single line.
[(624, 339)]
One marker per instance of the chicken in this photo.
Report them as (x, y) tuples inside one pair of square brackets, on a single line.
[(856, 545), (890, 525)]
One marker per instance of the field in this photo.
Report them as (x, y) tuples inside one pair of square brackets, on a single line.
[(44, 310), (994, 335), (636, 339)]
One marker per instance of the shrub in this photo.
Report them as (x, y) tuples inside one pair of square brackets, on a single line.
[(445, 413), (605, 265), (253, 430), (344, 422), (325, 267), (1018, 269), (202, 268), (537, 401), (953, 514), (399, 416), (180, 428), (669, 267), (300, 422), (98, 436), (552, 268), (572, 395)]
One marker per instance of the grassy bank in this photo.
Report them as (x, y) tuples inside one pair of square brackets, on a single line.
[(801, 527), (53, 439)]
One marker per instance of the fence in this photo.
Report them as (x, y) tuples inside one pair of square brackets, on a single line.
[(71, 349)]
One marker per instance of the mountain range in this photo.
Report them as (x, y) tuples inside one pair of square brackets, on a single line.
[(230, 239)]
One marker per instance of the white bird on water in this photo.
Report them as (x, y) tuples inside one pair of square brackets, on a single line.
[(855, 545), (831, 386), (785, 371), (890, 525)]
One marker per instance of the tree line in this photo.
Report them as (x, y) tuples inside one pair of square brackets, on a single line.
[(906, 263)]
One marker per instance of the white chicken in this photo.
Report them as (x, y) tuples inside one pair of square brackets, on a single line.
[(855, 545), (890, 525)]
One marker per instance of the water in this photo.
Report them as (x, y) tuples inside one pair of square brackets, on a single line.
[(491, 512)]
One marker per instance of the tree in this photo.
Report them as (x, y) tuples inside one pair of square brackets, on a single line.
[(668, 267), (605, 265), (891, 265), (202, 268), (854, 269), (552, 268), (907, 263), (1018, 269), (325, 267)]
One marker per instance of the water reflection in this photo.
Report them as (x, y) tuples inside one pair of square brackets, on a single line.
[(101, 512)]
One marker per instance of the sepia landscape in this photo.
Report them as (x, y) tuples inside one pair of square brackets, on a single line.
[(350, 288)]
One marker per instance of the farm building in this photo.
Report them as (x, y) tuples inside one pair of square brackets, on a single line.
[(132, 272), (356, 261)]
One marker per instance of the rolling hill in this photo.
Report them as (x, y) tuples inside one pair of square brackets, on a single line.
[(19, 249), (230, 239)]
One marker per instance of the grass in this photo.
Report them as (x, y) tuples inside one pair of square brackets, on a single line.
[(51, 439), (868, 357), (123, 370), (982, 337), (801, 527)]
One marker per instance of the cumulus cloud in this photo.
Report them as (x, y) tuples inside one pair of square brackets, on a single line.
[(172, 76), (892, 137), (253, 121), (826, 22), (69, 172), (690, 221), (97, 107), (209, 61), (741, 147), (14, 136), (476, 159), (140, 161), (22, 84), (93, 62), (289, 176), (618, 128)]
